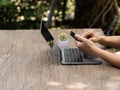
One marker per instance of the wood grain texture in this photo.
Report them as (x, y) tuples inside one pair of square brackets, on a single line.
[(26, 63)]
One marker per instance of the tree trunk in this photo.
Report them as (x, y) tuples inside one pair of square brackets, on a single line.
[(96, 14)]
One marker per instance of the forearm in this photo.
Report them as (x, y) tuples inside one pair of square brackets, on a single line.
[(112, 58), (113, 41)]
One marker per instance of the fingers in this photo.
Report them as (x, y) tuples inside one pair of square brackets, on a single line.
[(88, 34), (91, 36), (93, 39), (78, 44), (84, 40)]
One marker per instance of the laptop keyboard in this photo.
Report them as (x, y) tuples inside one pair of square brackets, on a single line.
[(73, 55)]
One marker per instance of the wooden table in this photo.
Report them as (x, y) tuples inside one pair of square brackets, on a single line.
[(26, 63)]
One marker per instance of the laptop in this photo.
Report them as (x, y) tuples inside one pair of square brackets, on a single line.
[(67, 56)]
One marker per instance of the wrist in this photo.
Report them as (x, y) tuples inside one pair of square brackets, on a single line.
[(96, 51), (100, 39)]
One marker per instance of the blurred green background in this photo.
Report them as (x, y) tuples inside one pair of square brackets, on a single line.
[(27, 14), (22, 14)]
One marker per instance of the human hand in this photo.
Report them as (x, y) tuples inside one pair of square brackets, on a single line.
[(86, 46), (91, 36)]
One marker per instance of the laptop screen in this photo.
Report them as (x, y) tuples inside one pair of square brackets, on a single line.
[(49, 38), (46, 34)]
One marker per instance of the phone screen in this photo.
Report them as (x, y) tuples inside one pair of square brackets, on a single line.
[(73, 35)]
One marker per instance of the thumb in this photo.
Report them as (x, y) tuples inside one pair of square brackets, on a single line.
[(82, 39), (93, 39), (78, 44)]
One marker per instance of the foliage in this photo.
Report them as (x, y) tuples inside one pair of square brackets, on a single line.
[(32, 11), (8, 15), (96, 14), (21, 14), (26, 14), (69, 13), (63, 36)]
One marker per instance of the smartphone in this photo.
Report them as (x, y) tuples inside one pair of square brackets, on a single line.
[(73, 35)]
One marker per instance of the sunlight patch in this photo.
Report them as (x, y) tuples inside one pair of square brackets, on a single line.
[(52, 83), (76, 86), (113, 86)]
